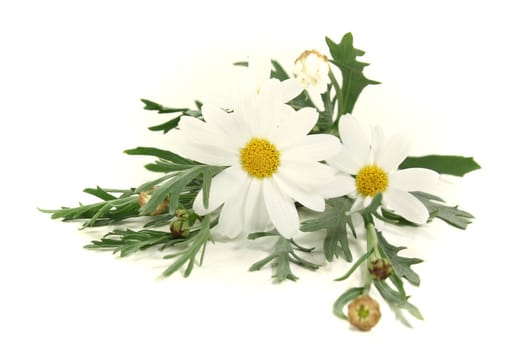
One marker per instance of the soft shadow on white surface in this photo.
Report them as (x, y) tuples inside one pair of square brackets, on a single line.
[(72, 77)]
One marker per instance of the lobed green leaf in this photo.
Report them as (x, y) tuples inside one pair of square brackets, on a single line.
[(451, 215), (344, 56), (442, 164), (397, 299), (283, 254), (334, 221), (401, 265)]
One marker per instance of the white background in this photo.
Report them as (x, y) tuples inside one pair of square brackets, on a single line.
[(71, 76)]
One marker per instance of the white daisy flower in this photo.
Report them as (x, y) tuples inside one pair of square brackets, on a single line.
[(312, 70), (373, 166), (271, 160)]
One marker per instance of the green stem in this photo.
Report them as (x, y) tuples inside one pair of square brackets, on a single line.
[(338, 94), (371, 237), (371, 244)]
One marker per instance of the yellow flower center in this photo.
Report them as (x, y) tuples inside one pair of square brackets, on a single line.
[(260, 158), (371, 180)]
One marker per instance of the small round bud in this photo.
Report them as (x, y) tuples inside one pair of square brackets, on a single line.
[(182, 213), (364, 313), (180, 228), (380, 269)]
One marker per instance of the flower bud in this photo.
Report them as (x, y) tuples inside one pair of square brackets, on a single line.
[(312, 68), (380, 269), (180, 228), (182, 213), (364, 313), (144, 198)]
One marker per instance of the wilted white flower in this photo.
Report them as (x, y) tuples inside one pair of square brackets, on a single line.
[(312, 70)]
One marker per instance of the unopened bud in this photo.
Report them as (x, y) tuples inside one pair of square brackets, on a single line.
[(364, 313), (180, 228), (182, 213), (380, 269)]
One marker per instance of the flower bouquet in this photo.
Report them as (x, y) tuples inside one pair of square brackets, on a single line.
[(283, 157)]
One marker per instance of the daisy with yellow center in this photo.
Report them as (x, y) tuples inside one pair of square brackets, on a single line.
[(271, 161), (370, 166)]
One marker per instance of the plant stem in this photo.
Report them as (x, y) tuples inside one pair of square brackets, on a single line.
[(338, 94), (371, 237), (371, 244)]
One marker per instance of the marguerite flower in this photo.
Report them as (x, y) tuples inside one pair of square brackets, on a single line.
[(312, 70), (270, 158), (373, 166)]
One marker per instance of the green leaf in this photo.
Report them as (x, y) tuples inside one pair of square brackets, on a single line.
[(344, 299), (451, 215), (401, 265), (174, 122), (324, 123), (107, 212), (127, 242), (100, 193), (278, 71), (450, 165), (344, 56), (167, 126), (159, 153), (241, 64), (373, 206), (154, 106), (354, 267), (392, 218), (173, 187), (196, 243), (396, 298), (284, 253), (161, 166), (334, 221)]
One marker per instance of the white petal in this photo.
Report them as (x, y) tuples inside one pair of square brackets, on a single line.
[(281, 209), (358, 204), (316, 98), (346, 162), (223, 186), (288, 89), (245, 82), (378, 140), (367, 200), (199, 131), (313, 147), (206, 154), (229, 124), (413, 179), (294, 125), (268, 113), (393, 153), (307, 174), (260, 66), (309, 199), (256, 217), (230, 219), (341, 186), (406, 205), (213, 114), (356, 138), (245, 110)]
